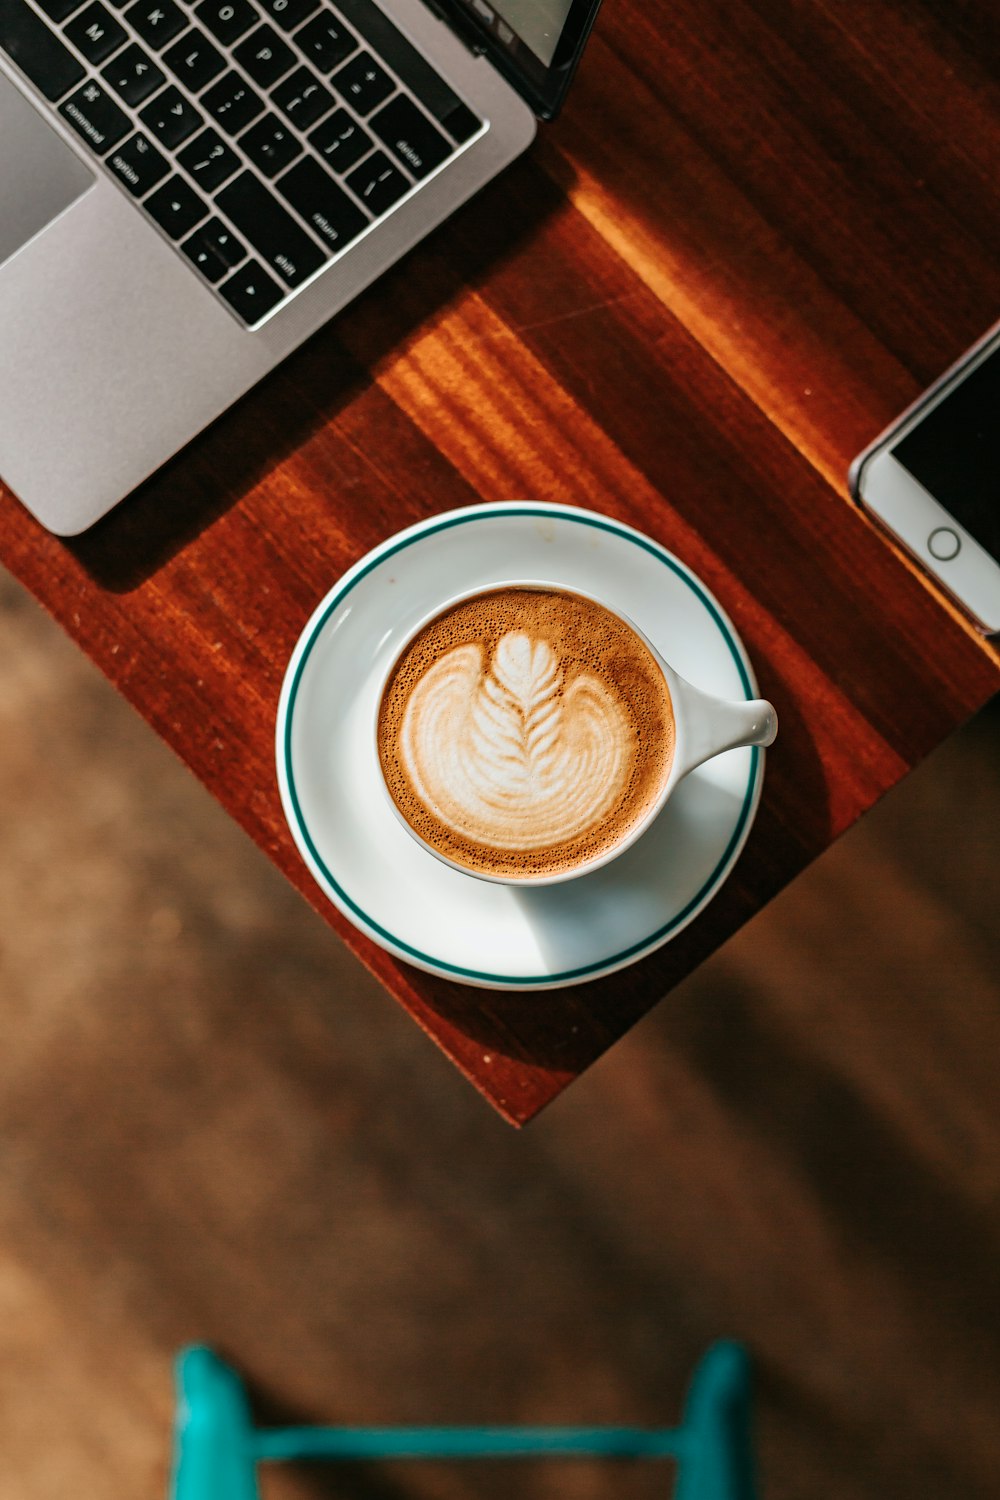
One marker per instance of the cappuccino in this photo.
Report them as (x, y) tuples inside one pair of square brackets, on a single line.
[(525, 732)]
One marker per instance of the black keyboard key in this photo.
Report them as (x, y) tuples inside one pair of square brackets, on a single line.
[(214, 249), (133, 75), (303, 98), (288, 13), (226, 19), (326, 41), (326, 208), (156, 21), (364, 83), (59, 9), (251, 292), (410, 136), (222, 242), (264, 56), (95, 116), (284, 247), (176, 207), (194, 60), (270, 145), (209, 160), (138, 165), (460, 123), (171, 117), (440, 101), (42, 58), (96, 33), (341, 141), (202, 257), (378, 183), (232, 103)]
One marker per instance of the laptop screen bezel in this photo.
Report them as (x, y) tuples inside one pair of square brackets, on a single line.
[(542, 87)]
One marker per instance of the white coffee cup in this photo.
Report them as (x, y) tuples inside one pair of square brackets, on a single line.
[(704, 726)]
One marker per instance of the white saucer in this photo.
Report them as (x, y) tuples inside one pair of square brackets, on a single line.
[(437, 918)]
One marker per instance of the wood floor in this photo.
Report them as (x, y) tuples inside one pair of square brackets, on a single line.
[(214, 1125)]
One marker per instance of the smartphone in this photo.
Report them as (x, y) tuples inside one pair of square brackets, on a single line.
[(932, 480)]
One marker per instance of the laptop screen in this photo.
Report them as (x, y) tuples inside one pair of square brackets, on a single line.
[(535, 24), (536, 44)]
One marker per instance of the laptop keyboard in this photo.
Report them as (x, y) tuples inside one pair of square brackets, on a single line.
[(261, 136)]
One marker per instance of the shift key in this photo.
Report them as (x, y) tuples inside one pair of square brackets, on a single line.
[(283, 247)]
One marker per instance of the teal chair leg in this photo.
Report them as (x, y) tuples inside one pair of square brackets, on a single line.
[(217, 1449), (215, 1454), (718, 1462)]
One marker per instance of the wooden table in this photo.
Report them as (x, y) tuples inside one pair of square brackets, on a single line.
[(755, 232)]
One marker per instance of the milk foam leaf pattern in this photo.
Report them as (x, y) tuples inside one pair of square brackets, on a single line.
[(506, 754), (515, 716)]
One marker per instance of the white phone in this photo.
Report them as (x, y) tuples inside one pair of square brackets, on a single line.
[(933, 480)]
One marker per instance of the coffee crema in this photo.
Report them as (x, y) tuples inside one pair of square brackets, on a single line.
[(525, 732)]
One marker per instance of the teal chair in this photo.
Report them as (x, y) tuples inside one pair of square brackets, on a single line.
[(217, 1448)]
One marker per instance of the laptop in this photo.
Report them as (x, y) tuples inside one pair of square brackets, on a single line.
[(190, 188)]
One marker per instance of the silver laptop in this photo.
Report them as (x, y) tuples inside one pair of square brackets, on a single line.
[(190, 188)]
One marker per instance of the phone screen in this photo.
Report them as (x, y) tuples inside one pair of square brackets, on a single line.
[(954, 452)]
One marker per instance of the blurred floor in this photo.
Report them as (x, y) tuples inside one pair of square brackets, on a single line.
[(215, 1125)]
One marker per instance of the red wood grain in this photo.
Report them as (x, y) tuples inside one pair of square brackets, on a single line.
[(753, 234)]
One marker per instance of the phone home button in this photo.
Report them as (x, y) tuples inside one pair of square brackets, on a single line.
[(944, 544)]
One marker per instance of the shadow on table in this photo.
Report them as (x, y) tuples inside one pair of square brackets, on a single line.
[(310, 388)]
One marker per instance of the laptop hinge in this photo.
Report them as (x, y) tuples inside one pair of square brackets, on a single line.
[(464, 30)]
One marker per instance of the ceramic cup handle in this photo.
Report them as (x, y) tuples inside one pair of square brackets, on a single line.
[(712, 725)]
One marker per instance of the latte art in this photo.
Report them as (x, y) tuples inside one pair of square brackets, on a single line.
[(525, 732), (504, 755)]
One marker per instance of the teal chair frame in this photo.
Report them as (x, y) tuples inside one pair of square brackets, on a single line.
[(217, 1448)]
